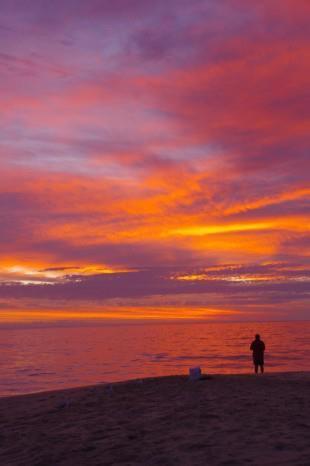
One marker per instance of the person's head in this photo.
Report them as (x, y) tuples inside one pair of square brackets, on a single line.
[(257, 337)]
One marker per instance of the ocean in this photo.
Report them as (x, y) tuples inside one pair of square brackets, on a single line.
[(50, 357)]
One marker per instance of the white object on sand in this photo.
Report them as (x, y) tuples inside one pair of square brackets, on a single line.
[(195, 373)]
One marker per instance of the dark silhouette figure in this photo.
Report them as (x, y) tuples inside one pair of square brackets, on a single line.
[(258, 348)]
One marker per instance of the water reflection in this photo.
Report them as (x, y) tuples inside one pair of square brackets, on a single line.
[(50, 358)]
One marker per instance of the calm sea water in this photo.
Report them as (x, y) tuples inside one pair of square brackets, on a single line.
[(36, 359)]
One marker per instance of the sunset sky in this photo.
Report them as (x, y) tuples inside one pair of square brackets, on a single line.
[(154, 159)]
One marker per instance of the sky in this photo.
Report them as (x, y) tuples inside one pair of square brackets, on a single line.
[(154, 159)]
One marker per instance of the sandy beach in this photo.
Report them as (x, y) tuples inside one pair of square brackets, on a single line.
[(225, 420)]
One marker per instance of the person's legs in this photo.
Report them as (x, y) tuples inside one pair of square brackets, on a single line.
[(262, 368), (256, 368)]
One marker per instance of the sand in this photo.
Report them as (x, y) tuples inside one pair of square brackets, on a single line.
[(225, 420)]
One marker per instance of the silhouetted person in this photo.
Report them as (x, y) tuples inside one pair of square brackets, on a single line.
[(258, 348)]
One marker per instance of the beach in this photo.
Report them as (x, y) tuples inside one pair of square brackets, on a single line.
[(221, 420)]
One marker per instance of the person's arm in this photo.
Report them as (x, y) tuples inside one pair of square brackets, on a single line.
[(251, 347), (263, 346)]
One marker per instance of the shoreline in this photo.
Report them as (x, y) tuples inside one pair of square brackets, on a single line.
[(142, 379), (225, 420)]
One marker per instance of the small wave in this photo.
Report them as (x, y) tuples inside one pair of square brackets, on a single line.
[(212, 357)]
